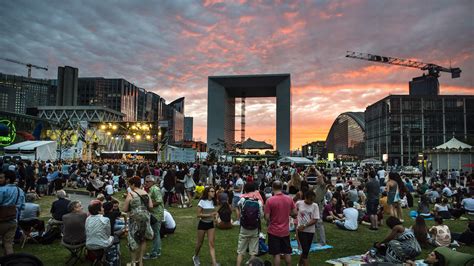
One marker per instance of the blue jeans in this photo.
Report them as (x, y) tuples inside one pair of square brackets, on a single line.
[(156, 245)]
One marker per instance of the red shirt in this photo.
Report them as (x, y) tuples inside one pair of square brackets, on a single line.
[(279, 207)]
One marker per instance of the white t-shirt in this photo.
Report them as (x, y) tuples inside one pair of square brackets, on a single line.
[(238, 183), (208, 207), (109, 189), (351, 216), (381, 173), (306, 213), (169, 221), (468, 204)]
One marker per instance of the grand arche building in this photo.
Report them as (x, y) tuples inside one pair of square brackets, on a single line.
[(222, 91)]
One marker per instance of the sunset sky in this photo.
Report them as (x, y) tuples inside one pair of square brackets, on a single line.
[(171, 47)]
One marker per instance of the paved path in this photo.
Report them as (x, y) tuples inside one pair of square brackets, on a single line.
[(84, 199)]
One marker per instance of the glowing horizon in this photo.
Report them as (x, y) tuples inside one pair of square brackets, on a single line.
[(171, 47)]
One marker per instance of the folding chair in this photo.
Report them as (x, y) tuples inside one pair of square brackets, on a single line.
[(26, 231), (75, 250)]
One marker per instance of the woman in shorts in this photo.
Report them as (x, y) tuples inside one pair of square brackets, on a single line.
[(206, 213)]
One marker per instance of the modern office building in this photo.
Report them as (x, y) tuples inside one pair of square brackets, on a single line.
[(116, 94), (315, 149), (402, 126), (17, 93), (346, 136), (175, 118), (188, 128), (67, 86)]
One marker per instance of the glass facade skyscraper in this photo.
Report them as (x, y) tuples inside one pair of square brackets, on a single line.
[(18, 93), (346, 136), (403, 126)]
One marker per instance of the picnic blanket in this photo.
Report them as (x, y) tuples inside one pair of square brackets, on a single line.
[(358, 260), (314, 247)]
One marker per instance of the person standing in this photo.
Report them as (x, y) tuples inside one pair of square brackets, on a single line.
[(372, 189), (137, 205), (12, 200), (278, 209), (207, 214), (320, 192), (237, 188), (157, 211), (308, 215)]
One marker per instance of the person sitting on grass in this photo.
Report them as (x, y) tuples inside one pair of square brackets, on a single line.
[(420, 230), (440, 233), (350, 218), (466, 237), (444, 256), (329, 212), (400, 245), (441, 208), (424, 207)]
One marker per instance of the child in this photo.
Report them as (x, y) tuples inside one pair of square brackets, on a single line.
[(198, 190)]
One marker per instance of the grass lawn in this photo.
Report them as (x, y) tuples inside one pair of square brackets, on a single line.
[(178, 248)]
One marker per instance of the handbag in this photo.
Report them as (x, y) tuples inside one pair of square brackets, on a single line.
[(153, 219), (8, 213)]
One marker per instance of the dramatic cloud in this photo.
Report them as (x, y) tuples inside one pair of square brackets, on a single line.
[(171, 47)]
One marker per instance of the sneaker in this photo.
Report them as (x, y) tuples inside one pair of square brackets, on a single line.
[(455, 244), (236, 223), (196, 261), (149, 256)]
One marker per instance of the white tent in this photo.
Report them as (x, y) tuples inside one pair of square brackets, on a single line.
[(370, 161), (454, 144), (295, 160)]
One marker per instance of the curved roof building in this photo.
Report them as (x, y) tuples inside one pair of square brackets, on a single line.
[(346, 136)]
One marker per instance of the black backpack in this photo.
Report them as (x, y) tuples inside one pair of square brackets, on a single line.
[(51, 235), (250, 214)]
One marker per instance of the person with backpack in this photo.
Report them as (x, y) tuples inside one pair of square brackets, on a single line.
[(250, 216), (278, 209)]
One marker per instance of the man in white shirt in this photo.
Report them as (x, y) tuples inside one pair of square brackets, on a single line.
[(350, 218), (468, 203), (168, 226), (381, 176)]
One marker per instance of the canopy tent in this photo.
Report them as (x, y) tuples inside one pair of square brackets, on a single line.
[(370, 161), (251, 144), (453, 154), (454, 144), (295, 160)]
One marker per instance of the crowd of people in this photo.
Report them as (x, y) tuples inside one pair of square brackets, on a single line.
[(285, 198)]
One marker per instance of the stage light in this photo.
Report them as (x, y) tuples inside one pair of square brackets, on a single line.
[(114, 127), (128, 137), (148, 137), (103, 127), (138, 137), (109, 133)]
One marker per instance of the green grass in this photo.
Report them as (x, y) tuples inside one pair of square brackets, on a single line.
[(178, 248)]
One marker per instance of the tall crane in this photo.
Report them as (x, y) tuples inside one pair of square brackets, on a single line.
[(29, 66), (433, 70), (423, 85)]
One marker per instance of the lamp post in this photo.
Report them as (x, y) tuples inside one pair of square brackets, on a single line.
[(409, 147)]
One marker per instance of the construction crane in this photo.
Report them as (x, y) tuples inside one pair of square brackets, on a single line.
[(423, 85), (433, 70), (29, 66)]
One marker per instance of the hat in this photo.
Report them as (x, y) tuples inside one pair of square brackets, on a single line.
[(223, 198)]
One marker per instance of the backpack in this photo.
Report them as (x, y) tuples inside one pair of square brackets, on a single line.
[(22, 259), (51, 235), (250, 214)]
